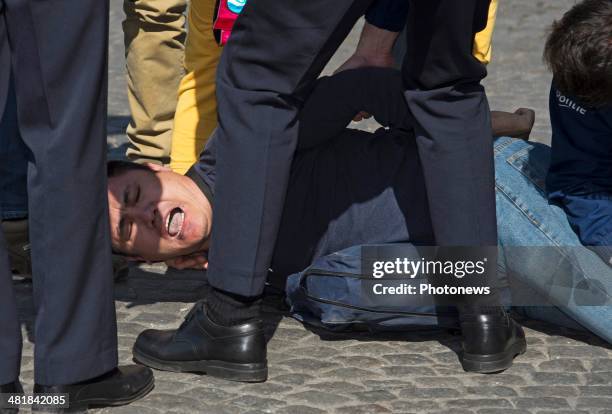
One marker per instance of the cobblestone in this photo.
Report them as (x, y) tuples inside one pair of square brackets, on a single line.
[(594, 402), (496, 391), (563, 365), (541, 402), (599, 378), (319, 398), (556, 378), (480, 403), (414, 406)]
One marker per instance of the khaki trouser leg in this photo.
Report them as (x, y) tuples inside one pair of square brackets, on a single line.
[(154, 35)]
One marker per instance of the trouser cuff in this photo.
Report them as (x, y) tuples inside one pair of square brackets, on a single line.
[(74, 370), (9, 369)]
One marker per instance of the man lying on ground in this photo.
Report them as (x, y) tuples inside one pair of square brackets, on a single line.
[(347, 187)]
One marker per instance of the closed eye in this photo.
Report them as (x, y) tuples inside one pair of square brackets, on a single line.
[(125, 229)]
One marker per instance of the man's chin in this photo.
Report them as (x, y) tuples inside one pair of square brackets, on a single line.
[(176, 252)]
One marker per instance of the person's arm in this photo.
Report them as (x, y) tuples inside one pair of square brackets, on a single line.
[(517, 124), (336, 99), (329, 108), (375, 49), (390, 15), (384, 20), (203, 171)]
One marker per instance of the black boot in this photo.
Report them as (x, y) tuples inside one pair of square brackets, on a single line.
[(10, 388), (490, 342), (236, 353), (121, 386)]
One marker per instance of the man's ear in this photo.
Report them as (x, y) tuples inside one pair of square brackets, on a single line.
[(157, 167)]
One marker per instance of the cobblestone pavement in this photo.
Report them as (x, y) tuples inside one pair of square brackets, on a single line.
[(562, 372)]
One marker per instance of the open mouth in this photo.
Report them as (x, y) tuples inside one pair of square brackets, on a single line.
[(174, 222)]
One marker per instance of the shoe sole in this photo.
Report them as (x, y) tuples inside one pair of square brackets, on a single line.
[(254, 372), (489, 364), (83, 406)]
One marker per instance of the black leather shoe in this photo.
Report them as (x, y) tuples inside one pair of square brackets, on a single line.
[(121, 386), (10, 388), (490, 342), (235, 353)]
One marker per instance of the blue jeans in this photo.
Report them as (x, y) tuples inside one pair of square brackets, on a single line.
[(13, 163), (539, 248)]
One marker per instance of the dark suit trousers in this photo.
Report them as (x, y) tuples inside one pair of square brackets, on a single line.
[(57, 50), (276, 52), (274, 56), (453, 127)]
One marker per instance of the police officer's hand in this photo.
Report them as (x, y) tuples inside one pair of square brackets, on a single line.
[(361, 60), (375, 49)]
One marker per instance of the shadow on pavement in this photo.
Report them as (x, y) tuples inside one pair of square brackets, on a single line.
[(148, 284)]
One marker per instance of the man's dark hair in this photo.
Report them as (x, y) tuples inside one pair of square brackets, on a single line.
[(118, 167), (578, 51)]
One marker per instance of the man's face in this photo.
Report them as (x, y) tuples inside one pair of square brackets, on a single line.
[(157, 215)]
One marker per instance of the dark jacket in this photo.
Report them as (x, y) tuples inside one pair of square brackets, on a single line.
[(580, 175)]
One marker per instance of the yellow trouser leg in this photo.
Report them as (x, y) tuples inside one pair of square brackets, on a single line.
[(483, 39), (196, 111)]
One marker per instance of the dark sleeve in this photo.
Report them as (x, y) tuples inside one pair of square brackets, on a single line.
[(203, 172), (579, 176), (335, 100), (388, 14), (591, 218), (581, 148), (331, 106)]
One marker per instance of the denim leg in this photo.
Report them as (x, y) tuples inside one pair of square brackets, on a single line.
[(13, 163), (539, 248)]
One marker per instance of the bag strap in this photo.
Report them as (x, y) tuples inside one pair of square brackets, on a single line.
[(323, 273)]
